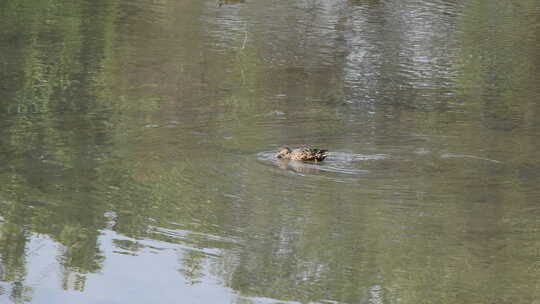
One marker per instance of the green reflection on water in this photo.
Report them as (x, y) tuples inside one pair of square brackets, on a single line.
[(121, 116)]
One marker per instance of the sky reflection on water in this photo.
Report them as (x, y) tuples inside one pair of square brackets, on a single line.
[(137, 142)]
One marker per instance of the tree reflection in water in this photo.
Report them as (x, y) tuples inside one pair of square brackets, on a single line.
[(83, 178)]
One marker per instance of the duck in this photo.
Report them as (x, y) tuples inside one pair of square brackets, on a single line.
[(303, 153)]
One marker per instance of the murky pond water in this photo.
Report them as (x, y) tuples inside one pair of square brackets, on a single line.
[(138, 140)]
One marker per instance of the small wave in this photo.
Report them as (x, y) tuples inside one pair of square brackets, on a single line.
[(344, 156), (469, 156)]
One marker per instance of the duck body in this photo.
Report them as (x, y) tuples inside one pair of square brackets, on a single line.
[(303, 153)]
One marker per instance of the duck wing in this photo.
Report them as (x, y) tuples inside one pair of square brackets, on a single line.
[(308, 153)]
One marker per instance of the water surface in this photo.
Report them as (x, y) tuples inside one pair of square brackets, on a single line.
[(137, 143)]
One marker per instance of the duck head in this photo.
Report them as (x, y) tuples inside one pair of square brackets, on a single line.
[(284, 152)]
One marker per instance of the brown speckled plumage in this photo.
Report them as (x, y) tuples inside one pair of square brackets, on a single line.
[(303, 153)]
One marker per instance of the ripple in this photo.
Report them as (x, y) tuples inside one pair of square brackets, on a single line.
[(446, 155)]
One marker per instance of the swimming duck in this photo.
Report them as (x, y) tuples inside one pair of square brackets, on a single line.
[(302, 153)]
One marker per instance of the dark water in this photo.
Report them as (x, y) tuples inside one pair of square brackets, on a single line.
[(137, 141)]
